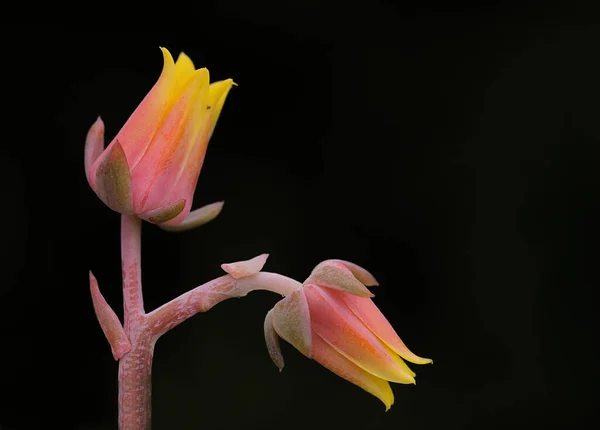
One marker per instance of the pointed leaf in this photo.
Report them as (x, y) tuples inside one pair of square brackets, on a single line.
[(338, 277), (272, 340), (112, 179), (94, 145), (165, 213), (359, 273), (196, 218), (241, 269), (291, 320), (109, 322)]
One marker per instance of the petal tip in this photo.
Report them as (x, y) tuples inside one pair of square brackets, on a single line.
[(183, 55), (167, 57)]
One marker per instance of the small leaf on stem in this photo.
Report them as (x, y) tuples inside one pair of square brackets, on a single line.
[(241, 269), (111, 326)]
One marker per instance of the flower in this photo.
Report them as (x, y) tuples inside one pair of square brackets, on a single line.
[(332, 319), (151, 167)]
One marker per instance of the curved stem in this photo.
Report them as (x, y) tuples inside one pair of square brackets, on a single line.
[(135, 367), (204, 297)]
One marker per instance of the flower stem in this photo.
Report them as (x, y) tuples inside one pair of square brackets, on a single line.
[(135, 367), (204, 297), (131, 259), (135, 383), (143, 330)]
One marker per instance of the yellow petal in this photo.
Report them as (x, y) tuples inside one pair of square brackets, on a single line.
[(331, 359), (184, 68), (399, 361), (372, 317), (216, 98), (200, 113)]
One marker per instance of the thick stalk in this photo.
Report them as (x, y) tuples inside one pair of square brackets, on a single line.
[(135, 383), (135, 367)]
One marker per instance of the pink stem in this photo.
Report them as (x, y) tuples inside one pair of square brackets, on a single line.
[(135, 367), (135, 383), (143, 330), (204, 297), (131, 241)]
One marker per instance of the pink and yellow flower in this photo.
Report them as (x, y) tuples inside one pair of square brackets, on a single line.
[(151, 167), (333, 320)]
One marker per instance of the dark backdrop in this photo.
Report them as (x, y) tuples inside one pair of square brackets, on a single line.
[(452, 153)]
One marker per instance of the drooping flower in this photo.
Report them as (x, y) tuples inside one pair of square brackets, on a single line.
[(333, 320), (151, 167)]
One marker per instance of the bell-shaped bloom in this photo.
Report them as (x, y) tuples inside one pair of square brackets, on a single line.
[(151, 167), (333, 320)]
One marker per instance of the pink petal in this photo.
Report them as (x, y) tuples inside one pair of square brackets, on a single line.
[(372, 317), (241, 269), (341, 366), (338, 277), (170, 167), (137, 133), (195, 218), (291, 320), (272, 340), (111, 180), (109, 322), (337, 325)]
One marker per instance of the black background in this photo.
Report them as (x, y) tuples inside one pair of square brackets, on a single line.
[(453, 153)]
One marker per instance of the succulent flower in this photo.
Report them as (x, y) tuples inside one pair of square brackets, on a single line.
[(151, 167), (332, 319)]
